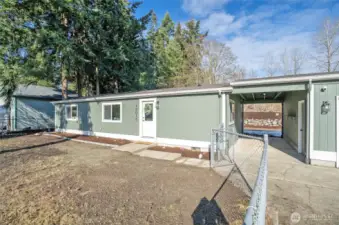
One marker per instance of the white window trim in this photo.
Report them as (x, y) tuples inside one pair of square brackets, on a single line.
[(103, 112), (72, 119), (229, 106)]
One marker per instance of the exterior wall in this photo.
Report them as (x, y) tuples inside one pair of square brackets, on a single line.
[(188, 117), (237, 126), (32, 113), (179, 117), (90, 118), (325, 124), (290, 114)]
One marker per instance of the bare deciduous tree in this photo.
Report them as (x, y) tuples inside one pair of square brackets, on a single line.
[(285, 64), (327, 46), (219, 63), (271, 66), (292, 61), (298, 58)]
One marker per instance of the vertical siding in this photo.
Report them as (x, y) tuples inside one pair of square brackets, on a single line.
[(291, 115), (325, 124), (33, 113), (238, 114), (90, 118), (188, 117)]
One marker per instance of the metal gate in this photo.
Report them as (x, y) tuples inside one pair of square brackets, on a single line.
[(224, 144)]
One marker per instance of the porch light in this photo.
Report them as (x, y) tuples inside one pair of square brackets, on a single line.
[(157, 105), (325, 107)]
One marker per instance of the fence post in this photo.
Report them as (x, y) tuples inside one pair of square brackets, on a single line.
[(212, 150)]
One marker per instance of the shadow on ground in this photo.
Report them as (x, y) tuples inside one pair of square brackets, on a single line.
[(281, 145), (2, 151), (208, 211)]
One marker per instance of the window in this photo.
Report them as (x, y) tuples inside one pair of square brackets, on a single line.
[(112, 112), (71, 112), (232, 112)]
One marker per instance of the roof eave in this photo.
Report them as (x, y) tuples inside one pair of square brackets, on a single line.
[(149, 95), (296, 79)]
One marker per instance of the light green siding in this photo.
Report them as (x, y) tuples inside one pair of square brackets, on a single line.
[(238, 114), (179, 117), (90, 118), (325, 124), (33, 113), (291, 115), (188, 117)]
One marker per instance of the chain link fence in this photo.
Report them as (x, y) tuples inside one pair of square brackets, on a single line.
[(224, 146)]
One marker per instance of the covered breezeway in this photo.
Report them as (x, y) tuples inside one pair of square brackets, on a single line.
[(292, 96)]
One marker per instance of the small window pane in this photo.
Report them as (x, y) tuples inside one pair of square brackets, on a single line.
[(107, 112), (74, 112), (148, 111), (68, 112), (115, 112)]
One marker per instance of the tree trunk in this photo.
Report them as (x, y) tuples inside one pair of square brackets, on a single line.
[(97, 80), (64, 84), (79, 84)]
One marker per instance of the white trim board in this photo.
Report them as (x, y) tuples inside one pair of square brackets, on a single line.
[(294, 79), (204, 145), (337, 131), (311, 121), (223, 109), (323, 155)]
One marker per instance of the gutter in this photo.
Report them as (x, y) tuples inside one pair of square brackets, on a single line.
[(149, 95), (300, 79), (308, 123)]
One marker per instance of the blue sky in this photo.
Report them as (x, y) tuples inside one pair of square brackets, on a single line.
[(253, 28)]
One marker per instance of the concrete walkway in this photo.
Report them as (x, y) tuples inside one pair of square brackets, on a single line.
[(143, 151), (311, 191)]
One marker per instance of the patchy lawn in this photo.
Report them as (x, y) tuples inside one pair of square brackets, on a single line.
[(48, 180)]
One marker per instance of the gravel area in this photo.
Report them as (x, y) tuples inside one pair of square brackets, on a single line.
[(49, 180)]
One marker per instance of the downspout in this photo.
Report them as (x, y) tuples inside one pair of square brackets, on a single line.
[(309, 139)]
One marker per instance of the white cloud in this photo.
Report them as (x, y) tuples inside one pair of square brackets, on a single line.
[(267, 29), (251, 51), (219, 24), (202, 7)]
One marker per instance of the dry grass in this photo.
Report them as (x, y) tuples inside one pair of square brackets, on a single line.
[(47, 180)]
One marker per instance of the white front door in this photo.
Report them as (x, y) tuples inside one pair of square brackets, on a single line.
[(148, 118), (301, 127)]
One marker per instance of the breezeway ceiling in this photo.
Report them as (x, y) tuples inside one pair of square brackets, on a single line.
[(264, 96)]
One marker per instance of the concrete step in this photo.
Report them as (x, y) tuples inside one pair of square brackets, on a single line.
[(159, 155), (132, 147), (194, 162)]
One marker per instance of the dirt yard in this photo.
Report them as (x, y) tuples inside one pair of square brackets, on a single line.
[(47, 180)]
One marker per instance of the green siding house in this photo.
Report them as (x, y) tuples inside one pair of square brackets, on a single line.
[(181, 117), (32, 108), (185, 116)]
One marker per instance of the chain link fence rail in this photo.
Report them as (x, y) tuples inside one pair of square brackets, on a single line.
[(224, 144)]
